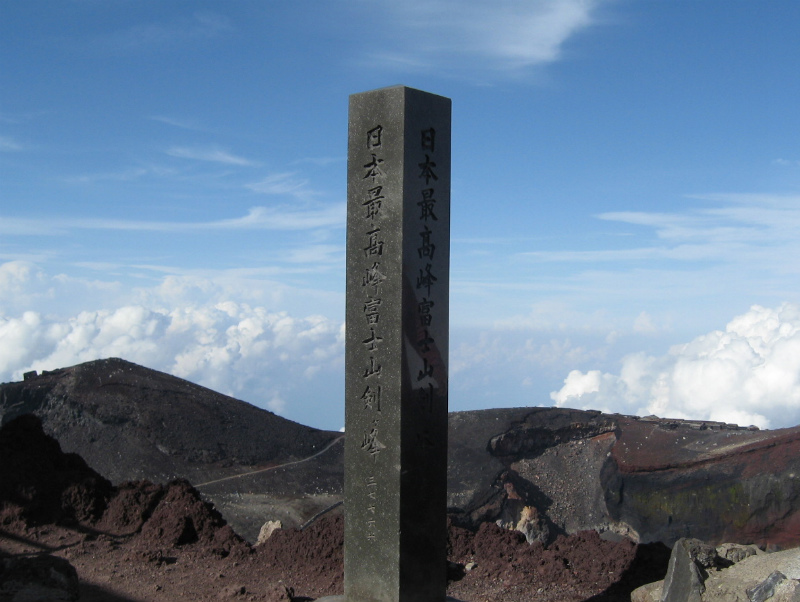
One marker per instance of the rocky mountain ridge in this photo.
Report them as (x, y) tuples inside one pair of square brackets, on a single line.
[(546, 471), (132, 423)]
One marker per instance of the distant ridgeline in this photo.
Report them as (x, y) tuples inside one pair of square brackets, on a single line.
[(545, 470)]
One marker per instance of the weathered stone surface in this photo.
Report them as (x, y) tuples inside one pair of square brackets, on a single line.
[(267, 529), (649, 479), (396, 345), (685, 573), (787, 591), (342, 599), (647, 593), (758, 576)]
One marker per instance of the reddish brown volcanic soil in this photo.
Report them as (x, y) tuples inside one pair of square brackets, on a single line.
[(145, 542), (309, 564)]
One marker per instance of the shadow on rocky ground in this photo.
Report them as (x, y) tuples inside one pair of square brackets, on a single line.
[(145, 542)]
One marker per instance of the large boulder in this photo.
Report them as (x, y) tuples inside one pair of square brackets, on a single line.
[(41, 578), (699, 573), (687, 571)]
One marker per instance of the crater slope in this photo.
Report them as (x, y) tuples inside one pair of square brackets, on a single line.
[(548, 471)]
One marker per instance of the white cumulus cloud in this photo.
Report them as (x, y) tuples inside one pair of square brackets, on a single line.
[(264, 357), (747, 374)]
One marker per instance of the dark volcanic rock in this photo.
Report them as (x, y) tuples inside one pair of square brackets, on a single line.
[(40, 484), (687, 570), (131, 423), (182, 518), (647, 478), (502, 461), (668, 480), (157, 537), (544, 428)]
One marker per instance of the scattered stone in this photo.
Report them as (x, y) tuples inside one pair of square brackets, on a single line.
[(233, 591), (267, 529), (533, 526), (732, 584), (455, 571), (735, 552), (766, 589)]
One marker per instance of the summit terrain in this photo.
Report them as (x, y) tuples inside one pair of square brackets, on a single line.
[(544, 471)]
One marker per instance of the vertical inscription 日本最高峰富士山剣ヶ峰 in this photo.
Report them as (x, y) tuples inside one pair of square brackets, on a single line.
[(397, 345)]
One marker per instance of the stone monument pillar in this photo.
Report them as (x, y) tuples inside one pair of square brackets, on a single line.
[(398, 260)]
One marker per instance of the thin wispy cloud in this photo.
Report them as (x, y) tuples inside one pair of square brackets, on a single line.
[(284, 184), (737, 218), (22, 117), (320, 161), (283, 218), (682, 252), (469, 35), (210, 154), (257, 218), (285, 267), (317, 254), (728, 232), (716, 251), (125, 175), (184, 124), (23, 226), (9, 145), (746, 228), (155, 36), (706, 226)]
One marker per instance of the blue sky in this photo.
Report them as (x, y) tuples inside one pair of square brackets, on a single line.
[(625, 195)]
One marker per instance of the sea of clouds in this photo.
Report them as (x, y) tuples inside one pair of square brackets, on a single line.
[(748, 374), (229, 347), (266, 357)]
